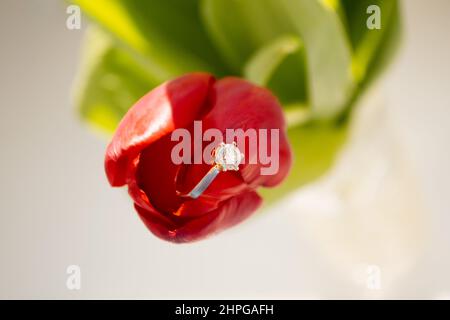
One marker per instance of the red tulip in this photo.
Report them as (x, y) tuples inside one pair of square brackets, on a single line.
[(139, 155)]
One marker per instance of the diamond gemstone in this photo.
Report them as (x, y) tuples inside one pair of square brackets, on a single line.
[(228, 156)]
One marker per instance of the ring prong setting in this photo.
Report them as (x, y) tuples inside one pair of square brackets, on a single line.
[(227, 156)]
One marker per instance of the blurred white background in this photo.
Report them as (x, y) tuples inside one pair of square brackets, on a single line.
[(384, 207)]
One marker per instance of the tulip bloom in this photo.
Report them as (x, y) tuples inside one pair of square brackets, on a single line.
[(139, 155)]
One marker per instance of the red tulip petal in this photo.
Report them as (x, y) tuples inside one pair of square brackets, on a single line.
[(140, 198), (242, 105), (160, 179), (140, 155), (155, 175), (174, 104), (231, 212)]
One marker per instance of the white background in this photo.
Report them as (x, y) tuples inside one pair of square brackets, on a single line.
[(56, 208)]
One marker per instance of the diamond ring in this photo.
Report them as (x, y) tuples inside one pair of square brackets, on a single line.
[(227, 156)]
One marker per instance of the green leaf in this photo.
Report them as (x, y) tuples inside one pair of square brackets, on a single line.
[(168, 34), (109, 82), (315, 147), (368, 44), (388, 45), (370, 59), (240, 28), (280, 66), (262, 65), (328, 54)]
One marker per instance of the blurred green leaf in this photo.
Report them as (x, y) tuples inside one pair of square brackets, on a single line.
[(240, 28), (315, 147), (110, 80), (261, 66), (329, 60), (388, 44), (168, 34), (371, 60), (366, 43), (280, 66)]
